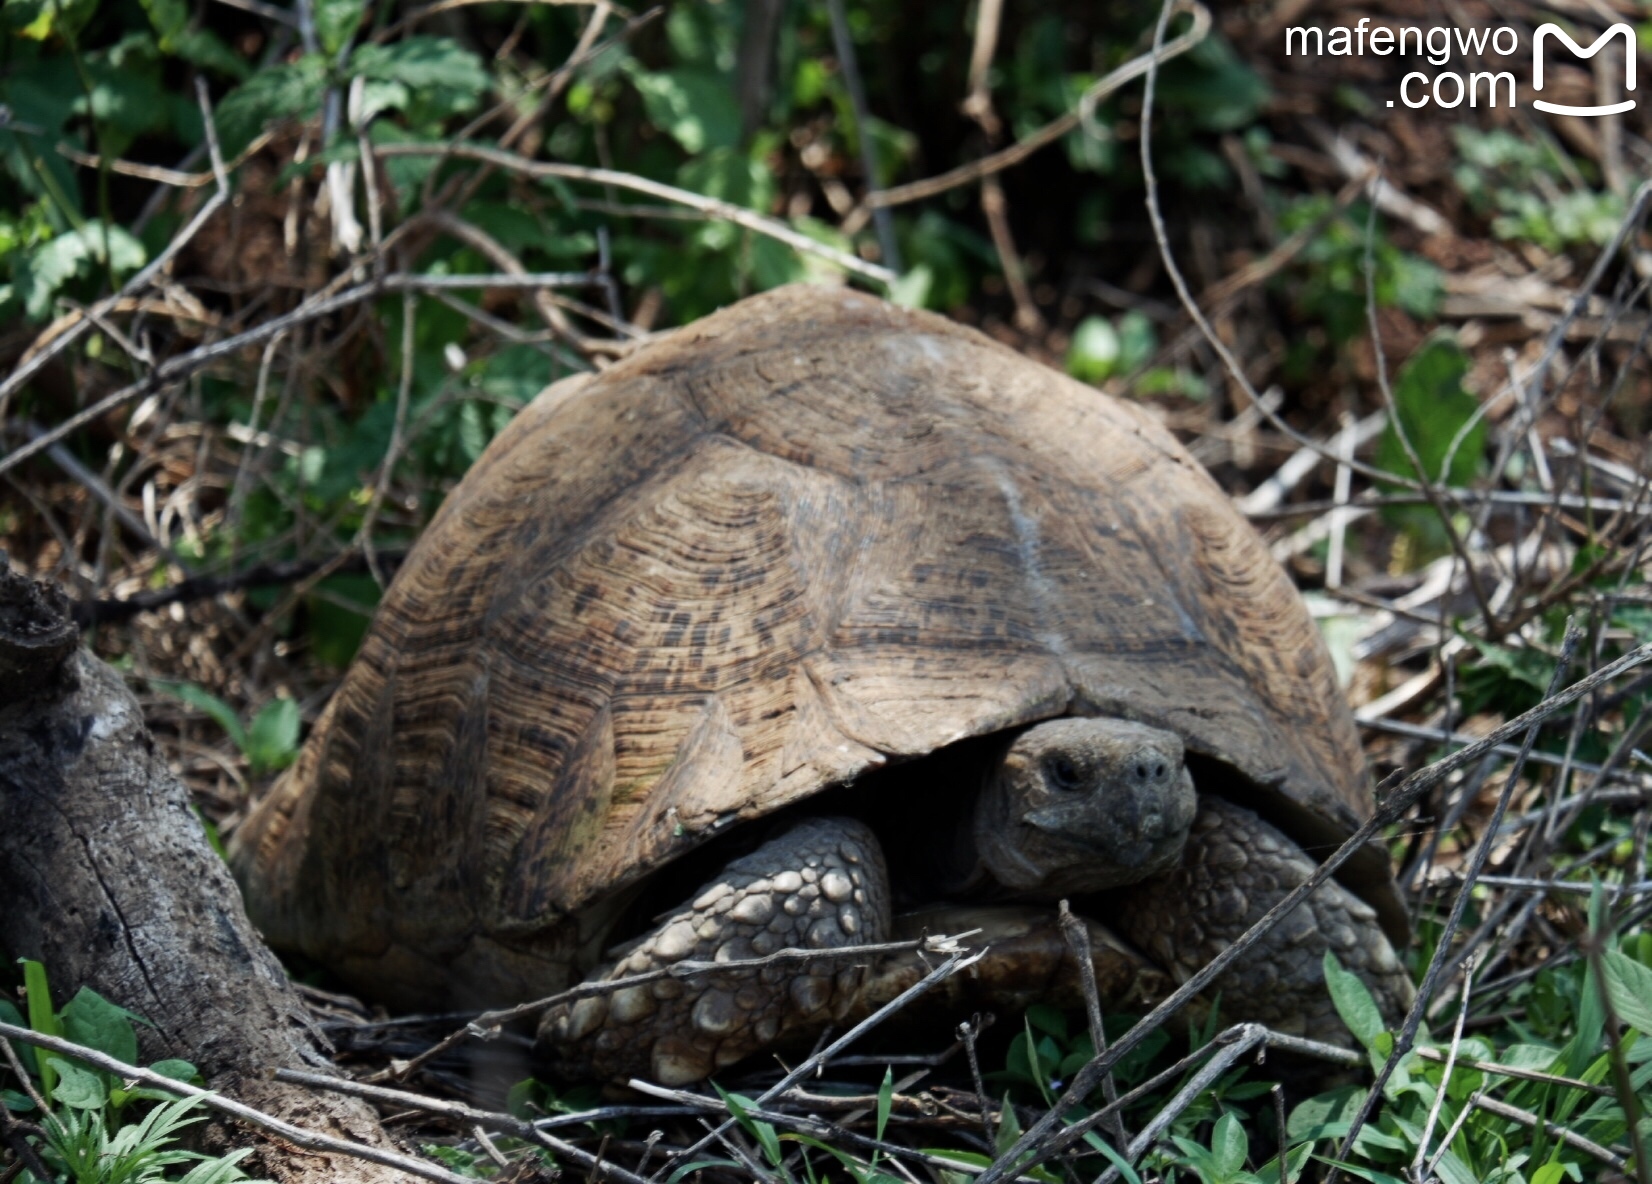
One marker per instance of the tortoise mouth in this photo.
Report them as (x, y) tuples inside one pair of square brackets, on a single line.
[(1144, 859)]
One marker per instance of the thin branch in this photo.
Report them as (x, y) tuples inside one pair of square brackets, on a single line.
[(484, 1026), (1554, 1130), (953, 964), (1442, 950), (1043, 1138), (1078, 940), (34, 360), (493, 1119), (738, 215), (1250, 1037), (1161, 236), (180, 367), (1055, 129), (297, 1135), (1424, 477), (844, 45)]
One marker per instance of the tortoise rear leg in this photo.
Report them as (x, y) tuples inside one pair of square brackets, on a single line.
[(1235, 868), (821, 884)]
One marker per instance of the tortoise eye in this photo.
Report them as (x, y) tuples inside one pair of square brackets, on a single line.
[(1062, 773)]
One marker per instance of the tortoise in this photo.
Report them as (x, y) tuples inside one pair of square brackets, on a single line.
[(814, 623)]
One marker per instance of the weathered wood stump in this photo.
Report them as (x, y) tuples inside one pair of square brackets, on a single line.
[(107, 878)]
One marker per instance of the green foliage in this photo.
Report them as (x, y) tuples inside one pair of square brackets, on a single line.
[(177, 35), (99, 1129), (1507, 679), (694, 106), (39, 274), (1327, 284), (1564, 1043), (269, 97), (39, 20), (270, 742), (1525, 190), (1442, 423), (1223, 1161), (1102, 348)]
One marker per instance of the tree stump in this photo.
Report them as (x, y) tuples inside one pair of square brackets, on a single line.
[(108, 879)]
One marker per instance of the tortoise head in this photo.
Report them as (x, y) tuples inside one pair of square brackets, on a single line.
[(1079, 805)]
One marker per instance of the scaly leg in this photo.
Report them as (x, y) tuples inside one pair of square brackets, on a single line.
[(820, 885), (1234, 869)]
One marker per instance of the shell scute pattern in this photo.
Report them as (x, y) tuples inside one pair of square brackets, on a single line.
[(768, 553)]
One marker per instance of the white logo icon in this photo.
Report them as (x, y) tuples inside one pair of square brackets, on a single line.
[(1548, 30)]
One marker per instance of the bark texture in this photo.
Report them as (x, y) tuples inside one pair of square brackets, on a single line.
[(107, 878)]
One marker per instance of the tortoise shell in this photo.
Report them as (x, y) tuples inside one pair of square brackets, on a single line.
[(806, 537)]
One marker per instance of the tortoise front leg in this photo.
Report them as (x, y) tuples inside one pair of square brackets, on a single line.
[(1234, 869), (822, 884)]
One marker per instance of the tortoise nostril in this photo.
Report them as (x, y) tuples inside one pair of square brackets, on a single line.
[(1159, 770), (1141, 772)]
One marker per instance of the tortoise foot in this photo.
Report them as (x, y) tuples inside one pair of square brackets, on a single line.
[(1235, 868), (820, 885)]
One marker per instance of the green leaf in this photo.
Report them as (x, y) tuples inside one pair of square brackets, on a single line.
[(222, 1170), (177, 36), (1353, 1002), (1047, 1019), (177, 1070), (697, 108), (1229, 1145), (76, 1086), (912, 289), (1549, 1173), (92, 1020), (336, 22), (1123, 1165), (699, 1165), (1629, 986), (1433, 408), (41, 1018), (1095, 349), (272, 741), (740, 1107), (423, 64), (1590, 1024), (39, 20), (1009, 1127), (269, 96), (730, 176), (886, 1099), (1326, 1115), (42, 272), (1295, 1160), (215, 708), (1138, 341), (1369, 1174), (336, 628)]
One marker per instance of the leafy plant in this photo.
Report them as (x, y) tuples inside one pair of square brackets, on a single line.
[(1327, 284), (97, 1130), (1102, 348), (270, 742), (1526, 192), (1424, 1116), (1441, 421)]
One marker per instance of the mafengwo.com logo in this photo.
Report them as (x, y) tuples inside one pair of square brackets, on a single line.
[(1474, 88)]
